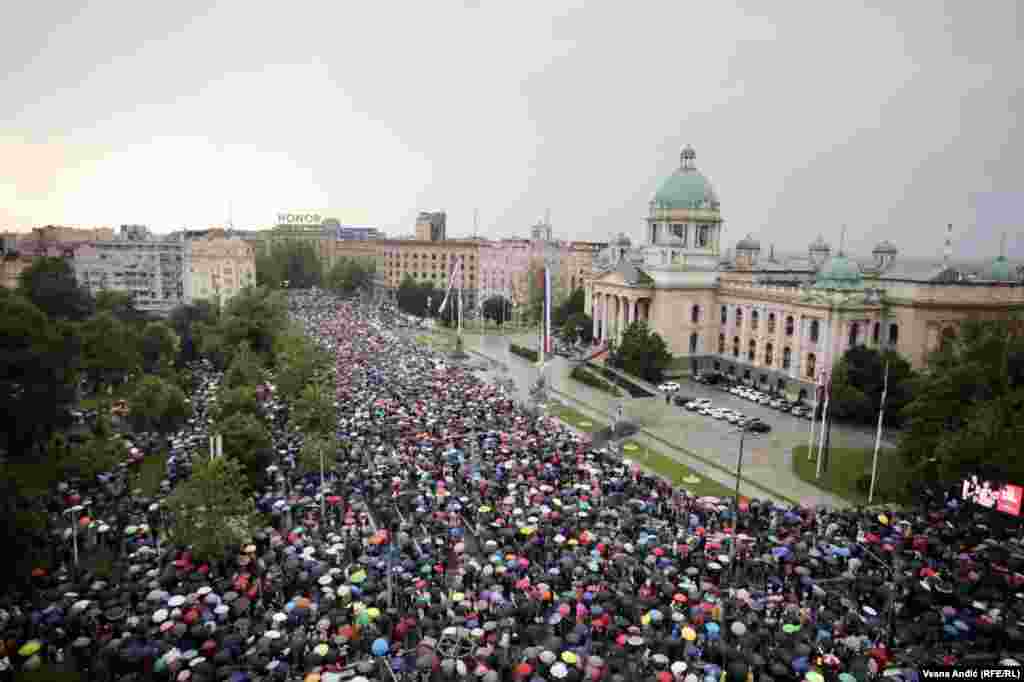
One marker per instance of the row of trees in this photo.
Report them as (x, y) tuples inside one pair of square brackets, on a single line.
[(296, 264)]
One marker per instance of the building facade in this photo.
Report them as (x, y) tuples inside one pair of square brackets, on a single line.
[(777, 324), (218, 267), (432, 227), (149, 268), (21, 249)]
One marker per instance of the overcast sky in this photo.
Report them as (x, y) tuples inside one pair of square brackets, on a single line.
[(892, 117)]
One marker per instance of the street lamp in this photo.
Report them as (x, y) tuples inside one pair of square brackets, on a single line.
[(744, 429), (74, 512)]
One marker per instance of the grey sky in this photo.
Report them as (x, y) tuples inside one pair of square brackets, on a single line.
[(894, 118)]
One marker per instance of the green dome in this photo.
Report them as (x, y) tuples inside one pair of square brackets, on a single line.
[(686, 188), (999, 271), (839, 272)]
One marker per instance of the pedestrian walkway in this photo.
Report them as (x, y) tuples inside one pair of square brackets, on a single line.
[(708, 447)]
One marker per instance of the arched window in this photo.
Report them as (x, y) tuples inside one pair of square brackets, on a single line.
[(721, 344), (876, 332), (787, 358), (771, 323), (854, 334), (753, 319), (735, 346), (693, 342), (894, 334), (815, 329), (695, 314), (789, 325), (780, 385), (812, 361), (769, 354), (725, 314), (752, 350), (739, 317)]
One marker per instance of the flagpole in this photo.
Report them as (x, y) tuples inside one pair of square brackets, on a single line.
[(814, 416), (824, 422), (878, 435)]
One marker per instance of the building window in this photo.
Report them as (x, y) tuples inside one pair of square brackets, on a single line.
[(725, 314), (811, 362), (735, 346), (752, 350), (768, 354), (771, 323), (854, 334), (695, 314), (739, 317), (789, 325), (753, 319), (787, 358), (814, 331), (717, 365), (702, 236), (894, 334), (693, 342), (721, 344), (876, 332)]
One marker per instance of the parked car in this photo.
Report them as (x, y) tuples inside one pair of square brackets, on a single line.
[(701, 403), (669, 387), (757, 426), (682, 400), (777, 404)]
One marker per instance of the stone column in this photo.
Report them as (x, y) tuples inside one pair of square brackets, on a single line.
[(595, 302)]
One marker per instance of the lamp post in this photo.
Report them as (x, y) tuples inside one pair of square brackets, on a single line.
[(74, 512), (744, 429)]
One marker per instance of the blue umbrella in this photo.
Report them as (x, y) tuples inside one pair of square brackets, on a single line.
[(380, 647)]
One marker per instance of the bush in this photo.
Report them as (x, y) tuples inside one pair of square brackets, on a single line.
[(585, 377), (525, 352)]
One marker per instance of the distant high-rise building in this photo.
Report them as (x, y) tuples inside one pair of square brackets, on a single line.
[(432, 227)]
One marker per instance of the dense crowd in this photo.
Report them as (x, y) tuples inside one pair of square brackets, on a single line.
[(464, 539)]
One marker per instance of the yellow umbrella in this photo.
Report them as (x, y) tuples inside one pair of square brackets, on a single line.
[(569, 657), (29, 648), (689, 634), (373, 612), (527, 530), (458, 596)]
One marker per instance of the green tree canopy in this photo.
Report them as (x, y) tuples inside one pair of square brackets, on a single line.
[(120, 304), (241, 400), (498, 308), (185, 321), (574, 304), (297, 359), (212, 512), (967, 415), (412, 297), (350, 275), (308, 461), (110, 349), (50, 284), (158, 405), (294, 263), (38, 374), (314, 412), (247, 440), (255, 315), (245, 368), (578, 327), (642, 352), (159, 347), (857, 382)]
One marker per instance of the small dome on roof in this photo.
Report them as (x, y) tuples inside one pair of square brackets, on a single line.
[(748, 243), (885, 246), (999, 271), (839, 272), (622, 240), (820, 245)]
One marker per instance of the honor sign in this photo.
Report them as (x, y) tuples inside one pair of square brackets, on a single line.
[(308, 219)]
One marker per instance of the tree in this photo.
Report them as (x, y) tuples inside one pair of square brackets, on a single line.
[(297, 359), (158, 405), (120, 304), (159, 347), (212, 512), (498, 308), (39, 363), (294, 263), (314, 411), (348, 276), (308, 461), (574, 304), (967, 415), (412, 297), (247, 440), (185, 321), (255, 315), (110, 349), (858, 380), (245, 368), (241, 400), (642, 352), (578, 327), (50, 284)]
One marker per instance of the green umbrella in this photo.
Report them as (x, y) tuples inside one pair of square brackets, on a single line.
[(362, 618), (358, 577), (790, 628)]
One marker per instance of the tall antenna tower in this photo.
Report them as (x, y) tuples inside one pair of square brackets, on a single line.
[(476, 219), (231, 220)]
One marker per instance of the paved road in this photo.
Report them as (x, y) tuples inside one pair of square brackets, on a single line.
[(767, 458)]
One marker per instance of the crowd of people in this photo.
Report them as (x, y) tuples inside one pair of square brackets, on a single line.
[(464, 539)]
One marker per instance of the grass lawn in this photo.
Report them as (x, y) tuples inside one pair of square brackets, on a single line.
[(676, 472), (847, 466), (152, 470), (437, 341)]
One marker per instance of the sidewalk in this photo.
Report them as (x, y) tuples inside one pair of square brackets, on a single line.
[(709, 448)]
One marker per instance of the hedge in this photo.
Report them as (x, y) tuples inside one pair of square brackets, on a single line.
[(523, 351), (594, 381)]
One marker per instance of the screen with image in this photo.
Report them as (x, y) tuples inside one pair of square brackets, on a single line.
[(1006, 498)]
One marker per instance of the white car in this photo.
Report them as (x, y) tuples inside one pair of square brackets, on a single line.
[(764, 400), (706, 411), (736, 390), (734, 418), (775, 403), (669, 387)]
